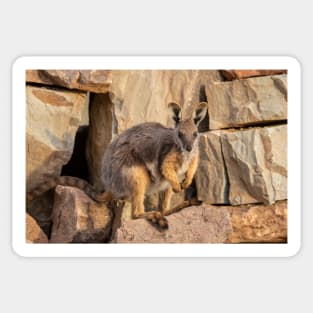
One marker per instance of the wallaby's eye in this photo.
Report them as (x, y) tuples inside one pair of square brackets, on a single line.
[(195, 134), (180, 135)]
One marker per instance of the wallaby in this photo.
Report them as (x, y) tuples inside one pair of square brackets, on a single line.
[(144, 159)]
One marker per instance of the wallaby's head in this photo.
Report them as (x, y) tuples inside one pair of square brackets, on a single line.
[(187, 127)]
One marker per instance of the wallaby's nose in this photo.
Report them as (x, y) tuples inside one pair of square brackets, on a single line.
[(189, 148)]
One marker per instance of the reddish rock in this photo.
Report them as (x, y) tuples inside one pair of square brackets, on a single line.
[(77, 218), (98, 81), (239, 74), (34, 234), (196, 224), (259, 223)]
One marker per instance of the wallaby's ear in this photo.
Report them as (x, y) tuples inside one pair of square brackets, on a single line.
[(176, 111), (200, 112)]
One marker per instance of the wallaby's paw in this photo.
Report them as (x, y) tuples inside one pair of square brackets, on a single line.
[(176, 188), (157, 219), (185, 184)]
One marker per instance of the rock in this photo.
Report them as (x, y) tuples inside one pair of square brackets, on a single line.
[(101, 129), (40, 209), (143, 95), (256, 162), (196, 224), (259, 223), (87, 80), (247, 102), (239, 74), (78, 219), (34, 234), (211, 177), (53, 118)]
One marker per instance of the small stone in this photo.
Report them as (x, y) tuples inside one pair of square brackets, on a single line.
[(78, 219), (34, 234)]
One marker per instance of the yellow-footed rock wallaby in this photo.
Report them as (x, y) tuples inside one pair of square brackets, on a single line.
[(144, 159)]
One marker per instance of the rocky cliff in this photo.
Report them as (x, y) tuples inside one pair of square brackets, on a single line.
[(241, 181)]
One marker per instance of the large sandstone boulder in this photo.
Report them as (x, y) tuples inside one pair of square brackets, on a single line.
[(100, 132), (247, 102), (243, 166), (239, 74), (53, 118), (87, 80), (256, 162), (211, 176), (143, 95), (78, 219), (34, 234), (196, 224), (259, 223)]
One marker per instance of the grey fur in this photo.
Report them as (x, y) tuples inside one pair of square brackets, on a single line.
[(147, 145)]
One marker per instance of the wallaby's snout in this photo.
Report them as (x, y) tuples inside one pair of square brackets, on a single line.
[(188, 134)]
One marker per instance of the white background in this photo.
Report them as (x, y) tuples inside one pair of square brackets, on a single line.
[(155, 28)]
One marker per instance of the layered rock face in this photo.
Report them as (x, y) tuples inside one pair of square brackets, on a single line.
[(241, 179), (246, 102), (52, 119)]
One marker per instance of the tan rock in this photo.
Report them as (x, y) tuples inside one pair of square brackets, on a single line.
[(77, 218), (34, 234), (247, 102), (196, 224), (239, 74), (256, 162), (52, 121), (143, 95), (259, 223), (87, 80), (211, 177), (100, 133)]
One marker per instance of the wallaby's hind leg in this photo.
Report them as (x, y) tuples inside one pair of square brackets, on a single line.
[(139, 182)]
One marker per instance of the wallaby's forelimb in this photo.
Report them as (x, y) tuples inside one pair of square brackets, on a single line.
[(190, 172), (169, 170)]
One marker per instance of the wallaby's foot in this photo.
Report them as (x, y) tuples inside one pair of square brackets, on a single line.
[(157, 219), (154, 217), (185, 184)]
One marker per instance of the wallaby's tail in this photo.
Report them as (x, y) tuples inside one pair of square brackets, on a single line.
[(68, 181)]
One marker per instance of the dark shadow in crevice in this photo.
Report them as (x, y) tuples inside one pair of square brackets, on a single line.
[(77, 165)]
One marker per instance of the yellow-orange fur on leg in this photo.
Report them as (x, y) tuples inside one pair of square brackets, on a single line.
[(166, 201), (169, 167), (190, 173), (139, 181)]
